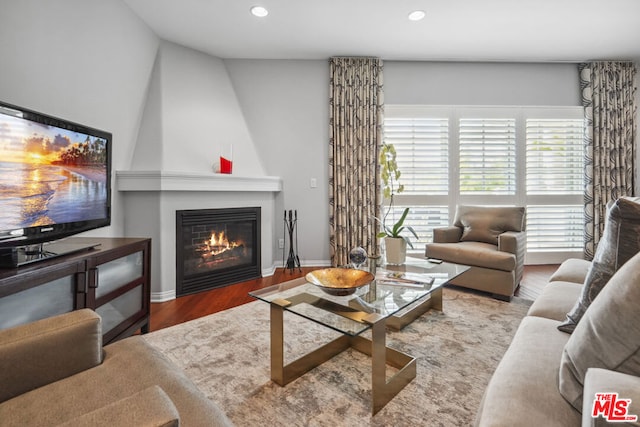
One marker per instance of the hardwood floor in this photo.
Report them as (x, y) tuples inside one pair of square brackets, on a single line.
[(191, 307), (534, 279)]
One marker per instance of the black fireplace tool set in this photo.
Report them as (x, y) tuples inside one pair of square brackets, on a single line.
[(291, 227)]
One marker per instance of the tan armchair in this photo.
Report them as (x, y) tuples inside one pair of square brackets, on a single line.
[(492, 240)]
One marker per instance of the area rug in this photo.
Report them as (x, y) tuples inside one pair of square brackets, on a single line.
[(227, 355)]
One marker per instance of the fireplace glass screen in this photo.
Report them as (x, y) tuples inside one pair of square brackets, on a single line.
[(216, 247)]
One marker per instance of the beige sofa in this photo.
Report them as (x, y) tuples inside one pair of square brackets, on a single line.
[(56, 372), (491, 240), (525, 388)]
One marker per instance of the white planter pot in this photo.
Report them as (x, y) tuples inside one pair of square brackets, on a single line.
[(395, 250)]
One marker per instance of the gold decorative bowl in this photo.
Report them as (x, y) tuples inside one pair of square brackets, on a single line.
[(339, 281)]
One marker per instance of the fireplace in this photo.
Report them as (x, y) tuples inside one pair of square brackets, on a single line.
[(216, 247)]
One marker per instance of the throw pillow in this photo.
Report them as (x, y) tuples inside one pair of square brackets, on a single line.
[(607, 337), (620, 241), (485, 223)]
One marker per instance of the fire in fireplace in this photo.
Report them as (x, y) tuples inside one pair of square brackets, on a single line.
[(216, 251), (218, 244), (216, 247)]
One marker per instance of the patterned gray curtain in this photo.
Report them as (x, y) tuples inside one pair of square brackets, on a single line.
[(355, 136), (608, 95)]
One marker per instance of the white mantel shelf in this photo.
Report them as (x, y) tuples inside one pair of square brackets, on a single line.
[(155, 180)]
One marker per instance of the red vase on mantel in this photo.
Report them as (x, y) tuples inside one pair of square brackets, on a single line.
[(226, 165)]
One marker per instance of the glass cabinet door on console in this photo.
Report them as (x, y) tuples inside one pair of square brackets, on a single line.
[(119, 289), (43, 293)]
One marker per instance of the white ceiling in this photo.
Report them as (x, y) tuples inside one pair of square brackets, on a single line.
[(453, 30)]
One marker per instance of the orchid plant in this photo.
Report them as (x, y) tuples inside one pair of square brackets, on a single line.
[(390, 175)]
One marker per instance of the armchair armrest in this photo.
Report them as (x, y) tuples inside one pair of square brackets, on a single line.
[(149, 408), (605, 381), (513, 242), (48, 350), (450, 234)]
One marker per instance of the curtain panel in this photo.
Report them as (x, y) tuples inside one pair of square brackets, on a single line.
[(355, 137), (608, 95)]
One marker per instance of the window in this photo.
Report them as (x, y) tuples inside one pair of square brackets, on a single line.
[(529, 156), (487, 156), (554, 184), (555, 156), (422, 147)]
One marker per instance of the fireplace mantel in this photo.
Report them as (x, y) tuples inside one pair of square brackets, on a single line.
[(157, 180)]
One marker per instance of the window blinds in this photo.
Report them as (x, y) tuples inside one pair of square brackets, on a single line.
[(487, 156), (422, 147)]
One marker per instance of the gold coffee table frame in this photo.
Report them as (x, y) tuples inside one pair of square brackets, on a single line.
[(433, 301), (382, 390)]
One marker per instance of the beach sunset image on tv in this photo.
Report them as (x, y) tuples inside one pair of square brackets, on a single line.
[(49, 175)]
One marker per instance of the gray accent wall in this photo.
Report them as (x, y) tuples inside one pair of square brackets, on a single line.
[(469, 83), (285, 104)]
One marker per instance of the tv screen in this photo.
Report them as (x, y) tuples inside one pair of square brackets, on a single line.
[(54, 177)]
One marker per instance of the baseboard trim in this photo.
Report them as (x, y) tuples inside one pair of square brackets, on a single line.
[(163, 296), (266, 272), (303, 263), (269, 270), (310, 263), (316, 263)]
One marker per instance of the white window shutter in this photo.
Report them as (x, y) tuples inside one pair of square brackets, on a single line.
[(422, 147), (487, 156)]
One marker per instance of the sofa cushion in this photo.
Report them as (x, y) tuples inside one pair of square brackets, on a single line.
[(608, 336), (571, 270), (523, 389), (620, 241), (473, 253), (486, 223), (47, 350), (555, 300)]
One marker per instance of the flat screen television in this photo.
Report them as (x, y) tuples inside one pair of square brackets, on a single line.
[(55, 180)]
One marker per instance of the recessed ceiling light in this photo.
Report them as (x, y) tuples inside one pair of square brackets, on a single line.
[(417, 15), (259, 11)]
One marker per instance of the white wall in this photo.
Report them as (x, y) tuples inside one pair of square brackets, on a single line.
[(87, 61), (192, 113)]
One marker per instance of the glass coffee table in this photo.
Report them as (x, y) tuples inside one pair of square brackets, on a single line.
[(398, 296)]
